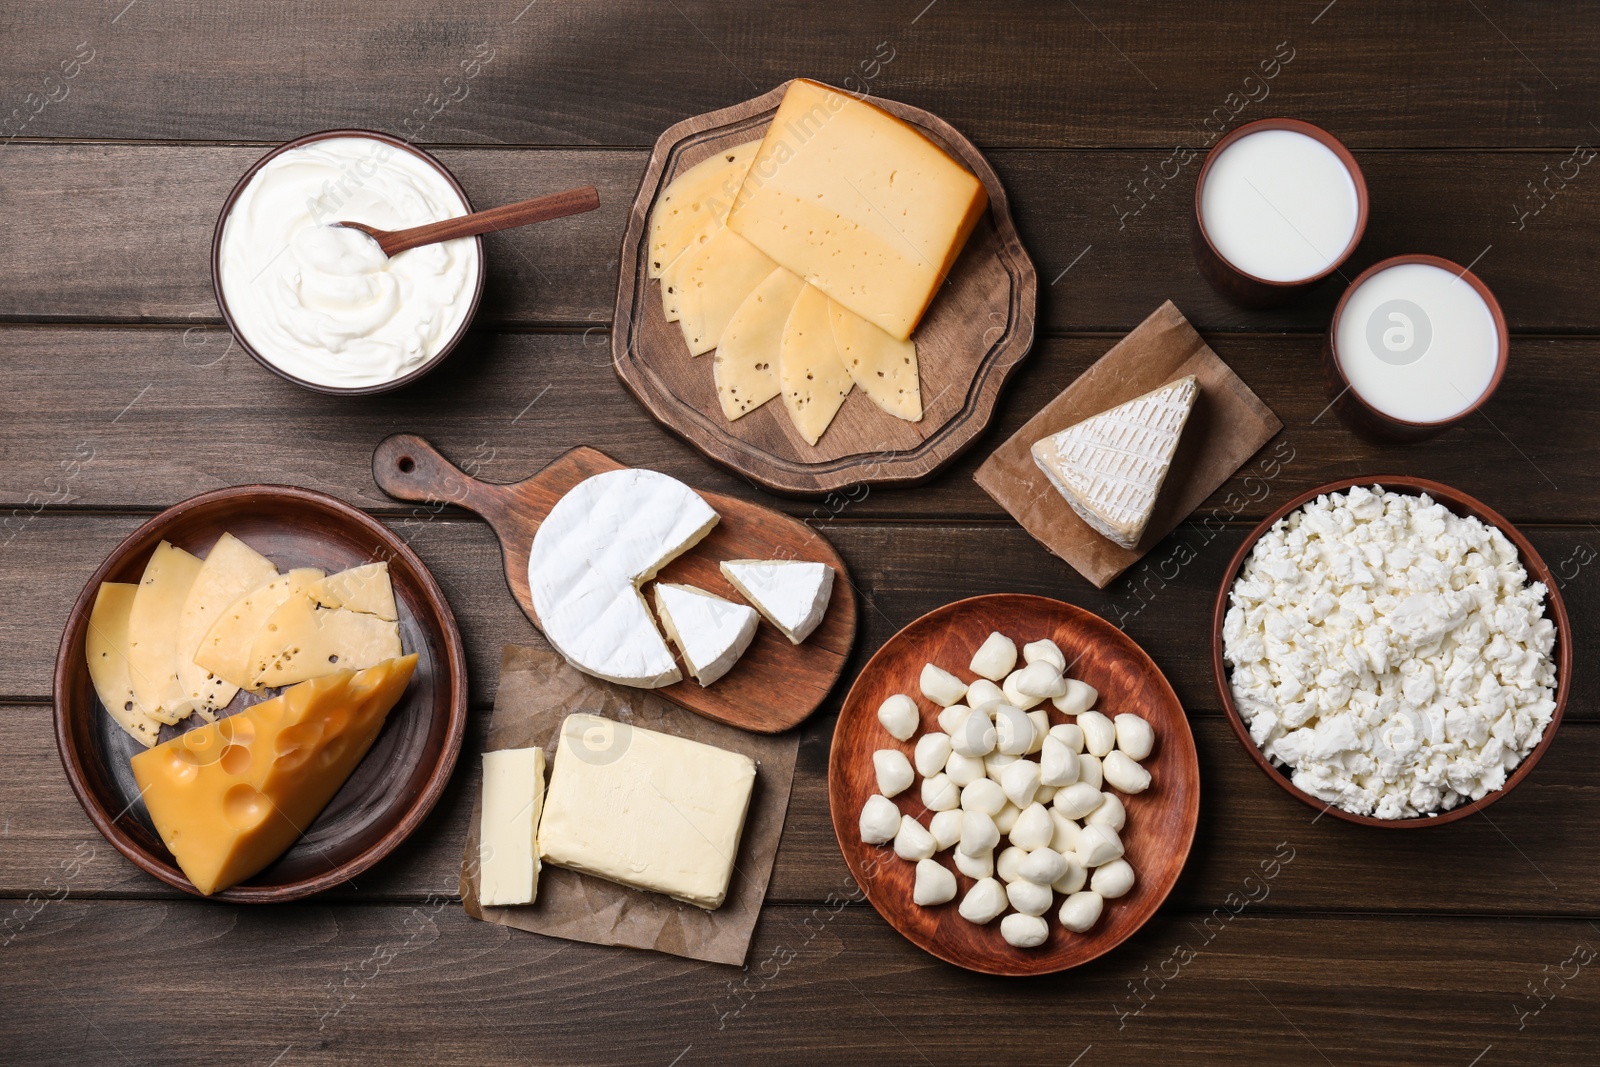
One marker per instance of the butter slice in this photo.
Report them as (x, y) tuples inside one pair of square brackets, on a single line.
[(508, 856), (746, 363), (645, 809)]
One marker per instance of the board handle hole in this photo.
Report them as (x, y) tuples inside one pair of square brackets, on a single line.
[(406, 464)]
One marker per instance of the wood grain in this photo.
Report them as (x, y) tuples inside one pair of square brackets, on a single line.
[(775, 685)]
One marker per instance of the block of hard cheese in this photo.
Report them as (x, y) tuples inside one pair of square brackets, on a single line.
[(228, 798), (645, 809), (508, 855), (858, 203)]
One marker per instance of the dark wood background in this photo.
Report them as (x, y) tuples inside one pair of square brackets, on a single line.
[(1474, 944)]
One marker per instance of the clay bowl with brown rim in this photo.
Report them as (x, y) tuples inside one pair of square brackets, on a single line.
[(398, 781), (1461, 504), (239, 335)]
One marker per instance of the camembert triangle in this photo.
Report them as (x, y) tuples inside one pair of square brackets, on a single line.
[(712, 633), (813, 378), (746, 363), (884, 367), (1110, 467), (792, 593)]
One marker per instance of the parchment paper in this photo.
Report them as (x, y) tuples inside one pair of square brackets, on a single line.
[(1228, 425), (539, 689)]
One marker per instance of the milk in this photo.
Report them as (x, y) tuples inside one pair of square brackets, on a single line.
[(1417, 342), (1279, 205)]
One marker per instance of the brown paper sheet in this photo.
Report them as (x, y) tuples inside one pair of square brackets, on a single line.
[(1228, 425), (539, 689)]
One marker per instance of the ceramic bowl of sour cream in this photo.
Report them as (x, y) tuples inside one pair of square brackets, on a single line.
[(321, 305)]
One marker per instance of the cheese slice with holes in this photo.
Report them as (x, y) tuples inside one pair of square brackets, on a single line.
[(300, 641), (793, 594), (813, 378), (153, 632), (508, 849), (230, 797), (1110, 467), (231, 569), (746, 364), (696, 202), (884, 367), (106, 652), (713, 284), (365, 589), (710, 632), (225, 649)]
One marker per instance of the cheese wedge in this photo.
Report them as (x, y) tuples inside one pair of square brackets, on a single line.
[(365, 589), (232, 569), (301, 641), (858, 203), (746, 364), (695, 202), (230, 797), (106, 652), (813, 378), (884, 367), (793, 594), (646, 809), (710, 632), (1110, 467), (508, 851), (153, 632), (225, 649), (713, 284)]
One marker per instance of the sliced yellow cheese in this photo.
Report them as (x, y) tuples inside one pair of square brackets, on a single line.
[(301, 641), (696, 200), (153, 632), (232, 569), (713, 284), (746, 363), (106, 650), (230, 797), (857, 203), (365, 589), (225, 649), (884, 367), (812, 377)]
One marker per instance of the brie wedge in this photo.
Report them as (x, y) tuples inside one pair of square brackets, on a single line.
[(793, 594), (1110, 467), (607, 536), (712, 633)]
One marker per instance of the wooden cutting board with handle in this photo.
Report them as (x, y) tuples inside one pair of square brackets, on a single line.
[(773, 687)]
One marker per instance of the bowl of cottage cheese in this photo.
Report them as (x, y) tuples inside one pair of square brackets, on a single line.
[(321, 305), (1391, 651)]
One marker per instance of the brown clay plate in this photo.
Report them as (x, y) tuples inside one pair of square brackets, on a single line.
[(976, 331), (1461, 504), (1161, 820), (395, 785)]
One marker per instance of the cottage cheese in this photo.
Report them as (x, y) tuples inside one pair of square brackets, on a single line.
[(1392, 654)]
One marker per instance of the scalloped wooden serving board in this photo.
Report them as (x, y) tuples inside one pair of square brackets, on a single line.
[(975, 333)]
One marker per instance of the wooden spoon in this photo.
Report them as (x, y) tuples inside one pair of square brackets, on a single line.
[(539, 209)]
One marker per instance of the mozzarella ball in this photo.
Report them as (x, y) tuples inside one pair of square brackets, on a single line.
[(1124, 774), (995, 764), (979, 866), (899, 716), (1042, 866), (1044, 651), (1077, 800), (978, 833), (1041, 679), (1024, 931), (1090, 770), (1079, 698), (1081, 910), (940, 686), (963, 770), (1099, 733), (1069, 734), (1072, 881), (880, 820), (945, 828), (894, 771), (931, 753), (1110, 813), (939, 793), (913, 841), (1041, 729), (983, 795), (1033, 828), (1044, 795), (1019, 781), (1007, 861), (950, 718), (1135, 736), (1064, 833), (1028, 898), (983, 902), (1058, 764), (1016, 697), (1112, 880), (935, 883), (1098, 845), (1006, 817), (995, 657), (984, 695), (975, 736), (1013, 730)]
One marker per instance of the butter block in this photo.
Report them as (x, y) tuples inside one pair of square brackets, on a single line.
[(508, 855)]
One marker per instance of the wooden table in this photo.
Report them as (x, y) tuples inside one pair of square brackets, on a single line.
[(1471, 944)]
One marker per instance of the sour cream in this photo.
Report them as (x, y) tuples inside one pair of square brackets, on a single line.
[(323, 303)]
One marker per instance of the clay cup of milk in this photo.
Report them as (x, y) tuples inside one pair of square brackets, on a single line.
[(1280, 204), (1416, 345)]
